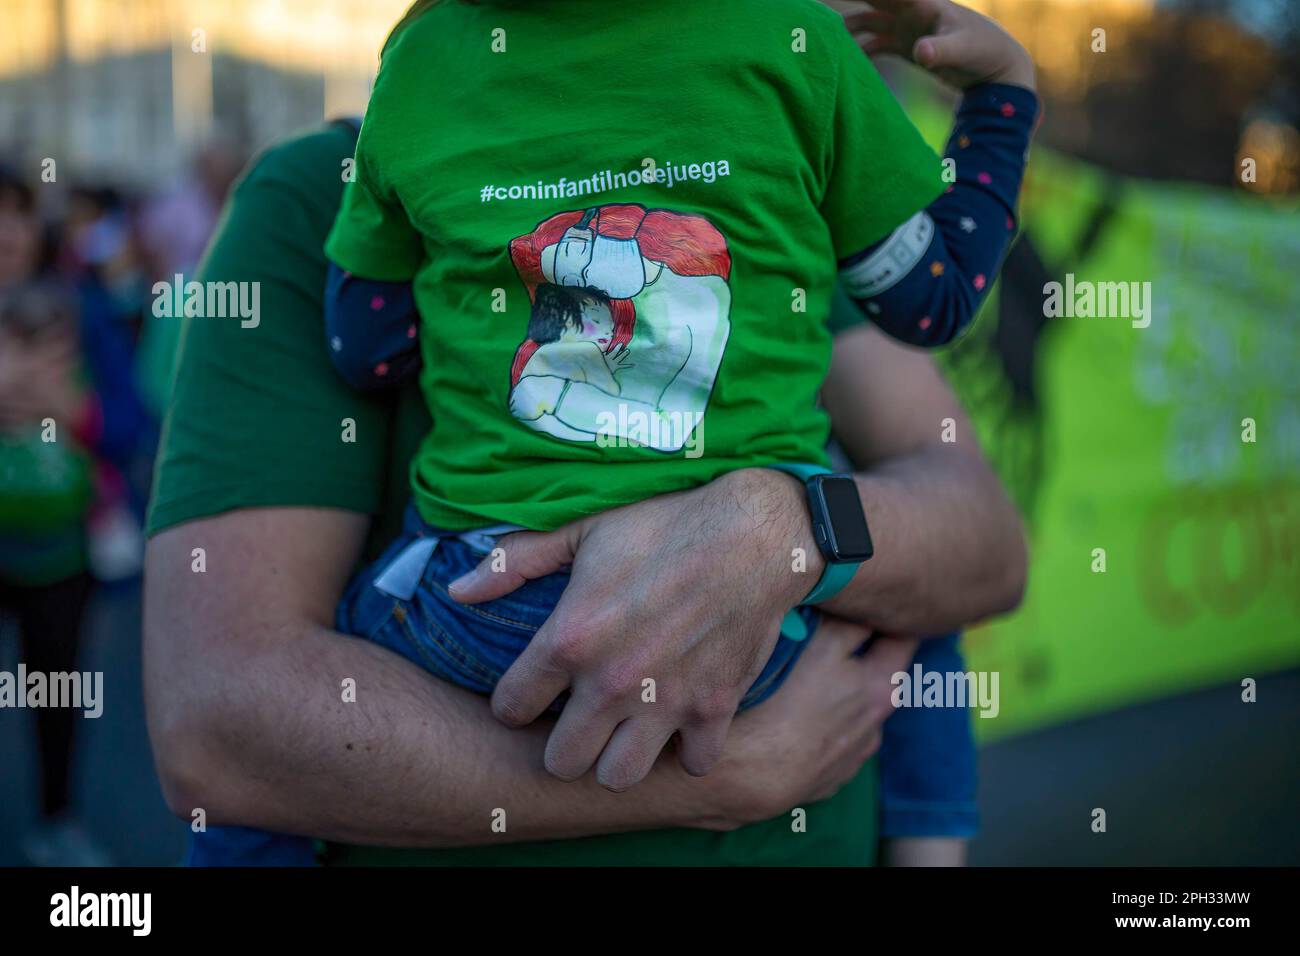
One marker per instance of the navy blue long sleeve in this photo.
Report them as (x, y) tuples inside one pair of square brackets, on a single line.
[(924, 282), (371, 328)]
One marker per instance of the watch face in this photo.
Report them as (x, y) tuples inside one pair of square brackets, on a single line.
[(850, 539)]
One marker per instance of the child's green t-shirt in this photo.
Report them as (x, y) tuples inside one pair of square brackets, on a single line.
[(622, 222)]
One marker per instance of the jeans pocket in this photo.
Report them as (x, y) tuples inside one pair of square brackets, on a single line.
[(471, 646), (522, 611), (444, 650)]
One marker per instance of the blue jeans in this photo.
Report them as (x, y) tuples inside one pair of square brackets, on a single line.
[(471, 646), (927, 760)]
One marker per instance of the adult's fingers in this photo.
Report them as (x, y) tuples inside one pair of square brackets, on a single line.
[(888, 655), (701, 745), (518, 557), (892, 652), (880, 40), (851, 755), (843, 636), (530, 684), (631, 752), (584, 728)]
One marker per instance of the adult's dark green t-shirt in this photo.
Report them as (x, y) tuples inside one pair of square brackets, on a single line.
[(256, 420)]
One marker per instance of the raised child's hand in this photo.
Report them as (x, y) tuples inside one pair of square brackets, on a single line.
[(961, 47)]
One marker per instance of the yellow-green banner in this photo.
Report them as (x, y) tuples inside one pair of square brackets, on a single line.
[(1136, 379)]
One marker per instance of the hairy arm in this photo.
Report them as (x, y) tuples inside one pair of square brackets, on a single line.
[(950, 548), (243, 684)]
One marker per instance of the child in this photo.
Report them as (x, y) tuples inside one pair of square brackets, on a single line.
[(46, 493), (580, 306)]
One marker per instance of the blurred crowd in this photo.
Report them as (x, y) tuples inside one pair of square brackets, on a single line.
[(84, 376)]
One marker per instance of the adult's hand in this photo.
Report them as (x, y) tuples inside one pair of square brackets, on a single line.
[(816, 732), (686, 589)]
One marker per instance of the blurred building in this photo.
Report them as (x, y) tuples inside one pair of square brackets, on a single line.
[(127, 90)]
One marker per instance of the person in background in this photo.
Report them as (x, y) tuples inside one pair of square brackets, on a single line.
[(100, 256), (174, 229), (66, 409)]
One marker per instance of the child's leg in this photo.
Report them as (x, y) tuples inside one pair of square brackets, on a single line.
[(784, 656), (927, 771), (244, 846)]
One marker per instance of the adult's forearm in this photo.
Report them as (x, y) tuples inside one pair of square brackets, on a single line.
[(412, 762), (949, 546), (949, 550), (245, 693)]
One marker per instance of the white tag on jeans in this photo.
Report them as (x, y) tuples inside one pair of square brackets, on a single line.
[(401, 577)]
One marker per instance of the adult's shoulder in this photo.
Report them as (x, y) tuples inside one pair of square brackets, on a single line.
[(305, 170), (310, 153), (258, 417)]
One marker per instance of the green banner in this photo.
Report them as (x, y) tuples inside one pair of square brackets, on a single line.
[(1136, 379)]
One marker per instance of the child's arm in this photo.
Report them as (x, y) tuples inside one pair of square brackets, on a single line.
[(371, 322), (924, 282), (371, 328)]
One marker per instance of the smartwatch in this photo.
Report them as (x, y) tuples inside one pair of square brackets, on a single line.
[(839, 525)]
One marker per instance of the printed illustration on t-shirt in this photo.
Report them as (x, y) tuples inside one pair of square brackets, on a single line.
[(630, 314)]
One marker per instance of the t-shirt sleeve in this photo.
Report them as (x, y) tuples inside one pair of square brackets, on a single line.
[(844, 314), (373, 237), (881, 171), (258, 416)]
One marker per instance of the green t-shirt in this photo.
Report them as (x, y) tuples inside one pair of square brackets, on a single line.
[(259, 417), (622, 223), (256, 419), (45, 491)]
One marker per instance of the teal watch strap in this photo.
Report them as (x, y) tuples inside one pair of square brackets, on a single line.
[(801, 470), (834, 576)]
